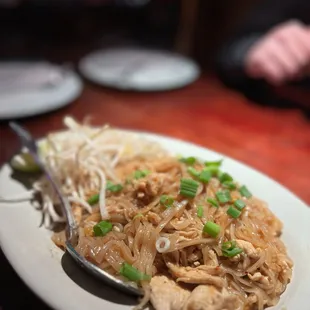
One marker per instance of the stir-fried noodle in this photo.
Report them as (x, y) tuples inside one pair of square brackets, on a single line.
[(183, 230)]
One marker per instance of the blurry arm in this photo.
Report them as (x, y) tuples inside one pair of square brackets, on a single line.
[(232, 56)]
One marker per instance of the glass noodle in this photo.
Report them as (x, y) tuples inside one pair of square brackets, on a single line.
[(181, 229)]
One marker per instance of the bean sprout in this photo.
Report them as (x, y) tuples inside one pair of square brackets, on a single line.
[(82, 159)]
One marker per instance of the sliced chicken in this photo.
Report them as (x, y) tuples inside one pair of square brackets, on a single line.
[(199, 275), (258, 277), (209, 257), (207, 297), (252, 299), (194, 257), (153, 217), (147, 188), (166, 294), (248, 248)]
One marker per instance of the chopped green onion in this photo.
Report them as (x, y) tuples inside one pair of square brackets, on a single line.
[(245, 192), (166, 201), (228, 245), (133, 274), (110, 187), (229, 249), (93, 199), (239, 204), (188, 188), (102, 228), (138, 215), (138, 174), (113, 187), (192, 171), (233, 212), (223, 196), (213, 202), (229, 184), (200, 211), (211, 229), (188, 160), (205, 176), (223, 177), (232, 253), (214, 170), (214, 163)]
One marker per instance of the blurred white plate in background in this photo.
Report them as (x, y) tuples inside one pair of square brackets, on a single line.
[(139, 69), (28, 89)]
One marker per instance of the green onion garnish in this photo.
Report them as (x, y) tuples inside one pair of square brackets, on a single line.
[(188, 160), (228, 245), (133, 274), (93, 199), (211, 229), (233, 212), (229, 184), (213, 202), (214, 163), (223, 177), (138, 215), (188, 188), (229, 249), (205, 176), (138, 174), (200, 211), (223, 196), (102, 228), (232, 252), (166, 201), (110, 187), (245, 192), (239, 204), (214, 170), (192, 171), (113, 187)]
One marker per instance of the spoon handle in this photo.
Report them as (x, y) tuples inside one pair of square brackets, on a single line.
[(28, 141)]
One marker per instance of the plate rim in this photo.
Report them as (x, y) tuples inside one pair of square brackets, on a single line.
[(77, 88)]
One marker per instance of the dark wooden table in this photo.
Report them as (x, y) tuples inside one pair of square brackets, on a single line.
[(274, 141)]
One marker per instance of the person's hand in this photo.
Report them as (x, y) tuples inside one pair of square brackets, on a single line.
[(282, 55)]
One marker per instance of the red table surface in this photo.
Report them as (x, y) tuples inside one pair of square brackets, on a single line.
[(274, 141)]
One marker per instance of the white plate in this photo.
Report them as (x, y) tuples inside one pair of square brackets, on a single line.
[(139, 69), (38, 261), (30, 102)]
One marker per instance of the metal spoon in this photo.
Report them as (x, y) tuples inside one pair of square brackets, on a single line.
[(71, 229)]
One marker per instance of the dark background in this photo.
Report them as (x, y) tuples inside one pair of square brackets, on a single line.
[(64, 31)]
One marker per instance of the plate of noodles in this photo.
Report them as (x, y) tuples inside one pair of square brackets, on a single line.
[(192, 228)]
